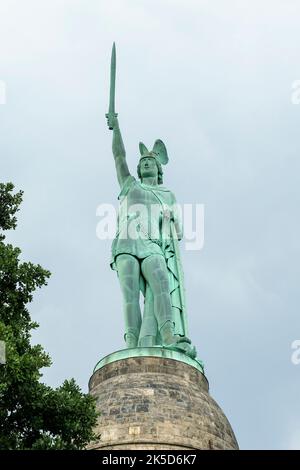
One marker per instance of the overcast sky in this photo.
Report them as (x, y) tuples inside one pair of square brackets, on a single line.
[(213, 79)]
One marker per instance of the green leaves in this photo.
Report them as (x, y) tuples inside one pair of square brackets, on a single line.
[(9, 205), (32, 414)]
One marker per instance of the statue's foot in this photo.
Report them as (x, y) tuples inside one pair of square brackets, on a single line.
[(147, 341), (131, 340)]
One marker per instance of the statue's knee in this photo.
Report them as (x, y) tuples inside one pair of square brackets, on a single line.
[(161, 281)]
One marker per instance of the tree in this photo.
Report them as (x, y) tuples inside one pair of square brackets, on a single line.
[(32, 414)]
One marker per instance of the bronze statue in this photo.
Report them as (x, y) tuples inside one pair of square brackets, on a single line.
[(145, 250)]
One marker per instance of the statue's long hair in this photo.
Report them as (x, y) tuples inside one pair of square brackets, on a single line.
[(159, 170)]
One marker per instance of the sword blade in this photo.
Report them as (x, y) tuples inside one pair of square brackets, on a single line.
[(111, 109)]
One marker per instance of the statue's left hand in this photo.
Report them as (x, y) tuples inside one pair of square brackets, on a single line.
[(168, 215)]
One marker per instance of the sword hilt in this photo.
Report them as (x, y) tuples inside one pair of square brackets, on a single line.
[(110, 116)]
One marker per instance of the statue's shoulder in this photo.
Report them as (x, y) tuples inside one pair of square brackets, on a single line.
[(163, 188), (170, 193), (151, 188)]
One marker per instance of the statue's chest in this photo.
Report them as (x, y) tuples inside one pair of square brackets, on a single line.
[(148, 197)]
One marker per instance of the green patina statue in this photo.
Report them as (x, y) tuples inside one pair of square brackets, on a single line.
[(145, 250)]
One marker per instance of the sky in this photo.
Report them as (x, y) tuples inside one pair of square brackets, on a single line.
[(216, 81)]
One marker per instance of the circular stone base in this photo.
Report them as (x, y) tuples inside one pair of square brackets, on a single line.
[(159, 403)]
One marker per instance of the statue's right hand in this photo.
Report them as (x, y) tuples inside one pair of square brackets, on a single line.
[(112, 120)]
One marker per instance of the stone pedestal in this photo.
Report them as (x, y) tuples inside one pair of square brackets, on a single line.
[(158, 401)]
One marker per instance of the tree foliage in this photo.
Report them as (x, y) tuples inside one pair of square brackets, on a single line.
[(32, 414)]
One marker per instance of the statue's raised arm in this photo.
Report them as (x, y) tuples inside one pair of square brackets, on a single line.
[(113, 124), (119, 152)]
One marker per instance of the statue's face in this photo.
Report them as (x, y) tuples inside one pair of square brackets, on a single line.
[(148, 167)]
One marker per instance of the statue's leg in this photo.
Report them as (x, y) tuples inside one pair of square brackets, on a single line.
[(148, 331), (155, 271), (128, 268)]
